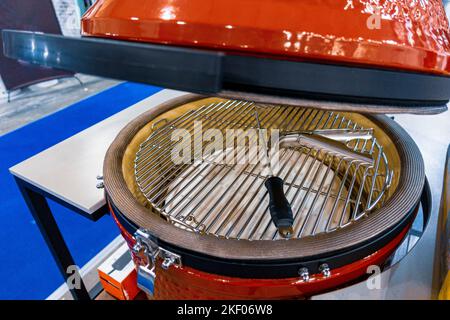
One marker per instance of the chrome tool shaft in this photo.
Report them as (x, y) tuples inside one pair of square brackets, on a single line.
[(279, 207)]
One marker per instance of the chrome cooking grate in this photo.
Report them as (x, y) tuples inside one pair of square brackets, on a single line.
[(326, 190)]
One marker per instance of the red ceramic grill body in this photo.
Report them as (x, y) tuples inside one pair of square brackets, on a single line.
[(186, 283)]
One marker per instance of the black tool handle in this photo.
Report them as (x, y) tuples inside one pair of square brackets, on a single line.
[(279, 207)]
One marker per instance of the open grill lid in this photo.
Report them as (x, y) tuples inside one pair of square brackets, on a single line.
[(395, 34), (329, 55)]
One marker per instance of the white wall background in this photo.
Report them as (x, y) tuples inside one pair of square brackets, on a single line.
[(69, 15), (447, 7)]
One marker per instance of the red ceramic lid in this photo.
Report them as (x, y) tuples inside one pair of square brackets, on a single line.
[(403, 34)]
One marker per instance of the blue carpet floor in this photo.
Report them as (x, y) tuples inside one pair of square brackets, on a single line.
[(27, 268)]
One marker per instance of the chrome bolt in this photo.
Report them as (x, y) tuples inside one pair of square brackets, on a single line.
[(99, 177), (100, 185), (138, 248), (325, 270), (167, 263), (304, 274)]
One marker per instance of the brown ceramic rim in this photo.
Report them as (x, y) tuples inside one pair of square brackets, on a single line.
[(398, 206), (334, 106)]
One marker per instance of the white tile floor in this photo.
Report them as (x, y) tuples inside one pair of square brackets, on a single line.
[(37, 101)]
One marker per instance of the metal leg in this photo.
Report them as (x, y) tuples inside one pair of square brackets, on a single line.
[(79, 80), (49, 229)]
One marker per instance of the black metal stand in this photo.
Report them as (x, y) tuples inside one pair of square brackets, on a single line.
[(36, 200)]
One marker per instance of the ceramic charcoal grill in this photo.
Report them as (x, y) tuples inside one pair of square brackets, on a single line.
[(208, 219), (313, 71)]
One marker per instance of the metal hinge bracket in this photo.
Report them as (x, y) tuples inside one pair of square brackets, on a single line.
[(147, 246), (148, 252)]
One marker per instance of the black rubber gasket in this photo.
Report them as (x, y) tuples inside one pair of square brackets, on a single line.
[(285, 268), (170, 67), (211, 72)]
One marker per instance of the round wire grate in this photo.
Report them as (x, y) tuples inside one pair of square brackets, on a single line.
[(327, 189)]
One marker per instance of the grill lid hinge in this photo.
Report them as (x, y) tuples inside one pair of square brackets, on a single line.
[(148, 251)]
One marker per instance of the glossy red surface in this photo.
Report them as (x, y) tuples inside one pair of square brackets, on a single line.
[(187, 283), (410, 35)]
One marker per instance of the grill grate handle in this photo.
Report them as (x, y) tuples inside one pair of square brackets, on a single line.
[(279, 207)]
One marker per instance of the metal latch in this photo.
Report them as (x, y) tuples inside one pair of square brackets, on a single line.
[(149, 253), (100, 183)]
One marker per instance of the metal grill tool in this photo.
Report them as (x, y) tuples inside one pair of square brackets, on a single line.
[(279, 206), (328, 186)]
